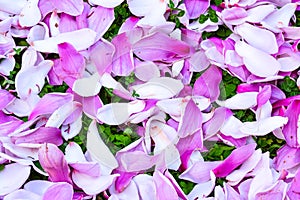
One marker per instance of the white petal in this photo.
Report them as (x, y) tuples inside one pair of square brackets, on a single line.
[(87, 87), (13, 177), (30, 15), (289, 64), (258, 13), (240, 101), (257, 62), (106, 3), (73, 153), (49, 45), (98, 149)]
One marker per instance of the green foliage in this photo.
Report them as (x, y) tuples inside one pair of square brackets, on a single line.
[(185, 185), (211, 14), (223, 32), (51, 88), (228, 85), (216, 2), (2, 167), (289, 87), (269, 143), (244, 115), (219, 151), (175, 14)]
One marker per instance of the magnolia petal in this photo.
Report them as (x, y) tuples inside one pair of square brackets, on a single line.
[(265, 42), (164, 187), (240, 101), (146, 186), (93, 185), (287, 158), (27, 84), (196, 7), (234, 15), (202, 190), (235, 159), (160, 47), (257, 62), (137, 161), (73, 153), (291, 129), (143, 8), (20, 174), (191, 120), (258, 13), (94, 86), (145, 71), (106, 4), (100, 20), (49, 103), (280, 18), (30, 14), (49, 45), (98, 149), (63, 191), (22, 194), (289, 64), (158, 88), (53, 162), (15, 8)]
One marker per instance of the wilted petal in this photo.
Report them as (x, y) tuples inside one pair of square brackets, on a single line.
[(98, 149), (158, 88), (196, 7), (13, 177), (27, 84), (235, 159), (265, 42), (74, 38), (257, 62), (53, 162), (160, 47)]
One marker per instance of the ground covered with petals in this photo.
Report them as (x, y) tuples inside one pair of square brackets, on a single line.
[(157, 99)]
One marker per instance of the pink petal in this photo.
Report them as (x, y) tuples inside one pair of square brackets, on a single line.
[(137, 161), (196, 7), (49, 103), (122, 63), (20, 174), (235, 159), (74, 38), (258, 13), (100, 20), (265, 42), (202, 190), (287, 158), (234, 15), (164, 187), (12, 8), (6, 98), (70, 7), (290, 130), (160, 47), (63, 191), (146, 71), (53, 162), (146, 186), (257, 62), (66, 23), (22, 194), (158, 88)]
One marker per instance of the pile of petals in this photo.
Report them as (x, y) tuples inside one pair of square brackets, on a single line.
[(174, 118)]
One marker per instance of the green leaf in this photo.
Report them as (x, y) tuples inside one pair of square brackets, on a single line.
[(181, 13), (203, 18), (2, 167), (171, 4)]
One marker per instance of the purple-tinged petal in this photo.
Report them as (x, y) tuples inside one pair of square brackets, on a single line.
[(235, 159), (164, 187), (6, 98), (39, 136), (146, 71), (291, 129), (159, 88), (146, 186), (234, 15), (237, 175), (122, 62), (129, 24), (196, 7), (257, 62), (13, 177), (265, 42), (137, 161), (30, 14), (27, 84), (53, 162), (280, 18), (102, 54), (143, 8), (38, 186), (290, 63), (277, 191), (202, 190), (258, 13), (100, 20), (63, 191), (199, 172), (98, 149), (293, 191), (71, 7), (73, 153), (15, 8), (74, 38), (92, 185), (106, 4), (207, 84), (160, 47), (191, 120), (287, 158), (91, 169), (49, 103), (66, 23), (264, 95)]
